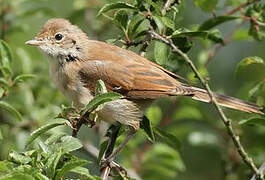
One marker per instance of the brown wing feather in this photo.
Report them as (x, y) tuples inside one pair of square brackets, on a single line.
[(126, 72)]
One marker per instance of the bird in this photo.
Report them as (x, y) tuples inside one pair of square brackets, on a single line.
[(77, 63)]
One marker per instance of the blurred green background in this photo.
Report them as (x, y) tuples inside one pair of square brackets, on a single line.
[(207, 151)]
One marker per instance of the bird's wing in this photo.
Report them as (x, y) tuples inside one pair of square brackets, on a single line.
[(128, 73), (134, 80)]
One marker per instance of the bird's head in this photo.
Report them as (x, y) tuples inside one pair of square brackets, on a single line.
[(59, 38)]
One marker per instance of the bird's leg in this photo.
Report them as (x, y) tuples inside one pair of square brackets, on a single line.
[(120, 147)]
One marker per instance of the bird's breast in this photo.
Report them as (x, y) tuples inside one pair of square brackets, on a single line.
[(67, 80)]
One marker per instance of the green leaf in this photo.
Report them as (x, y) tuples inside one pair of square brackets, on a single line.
[(206, 5), (2, 92), (147, 127), (211, 35), (4, 166), (6, 58), (161, 162), (40, 176), (23, 77), (134, 24), (19, 158), (168, 22), (70, 144), (161, 52), (35, 134), (17, 176), (102, 149), (168, 138), (11, 109), (117, 5), (1, 135), (160, 25), (4, 83), (121, 20), (215, 21), (68, 166), (250, 69), (83, 171), (100, 88), (100, 99), (155, 6), (253, 121), (54, 138), (52, 162)]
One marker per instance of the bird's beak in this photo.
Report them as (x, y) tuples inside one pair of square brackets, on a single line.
[(34, 42)]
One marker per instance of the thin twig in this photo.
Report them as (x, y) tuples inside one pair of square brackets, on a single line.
[(248, 161), (167, 6), (106, 167), (145, 44), (233, 11), (228, 39), (261, 171)]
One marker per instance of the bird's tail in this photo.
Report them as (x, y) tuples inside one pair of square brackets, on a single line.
[(226, 101)]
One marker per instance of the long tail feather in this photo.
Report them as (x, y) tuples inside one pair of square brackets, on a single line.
[(226, 101)]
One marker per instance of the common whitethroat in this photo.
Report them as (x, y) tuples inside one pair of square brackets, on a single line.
[(77, 63)]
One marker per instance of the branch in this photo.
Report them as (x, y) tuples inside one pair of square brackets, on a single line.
[(241, 7), (248, 161), (228, 38), (261, 170), (167, 6), (106, 167)]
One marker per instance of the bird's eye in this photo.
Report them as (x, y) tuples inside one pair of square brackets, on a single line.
[(58, 37)]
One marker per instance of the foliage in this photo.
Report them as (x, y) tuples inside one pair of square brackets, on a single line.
[(179, 138)]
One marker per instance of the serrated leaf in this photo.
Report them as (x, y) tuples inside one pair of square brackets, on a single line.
[(100, 99), (19, 158), (251, 69), (68, 166), (117, 5), (145, 124), (161, 52), (102, 149), (155, 6), (38, 132), (253, 121), (134, 24), (23, 77), (70, 144), (168, 138), (215, 21), (168, 22), (211, 35), (206, 5), (11, 109), (160, 25), (121, 20)]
